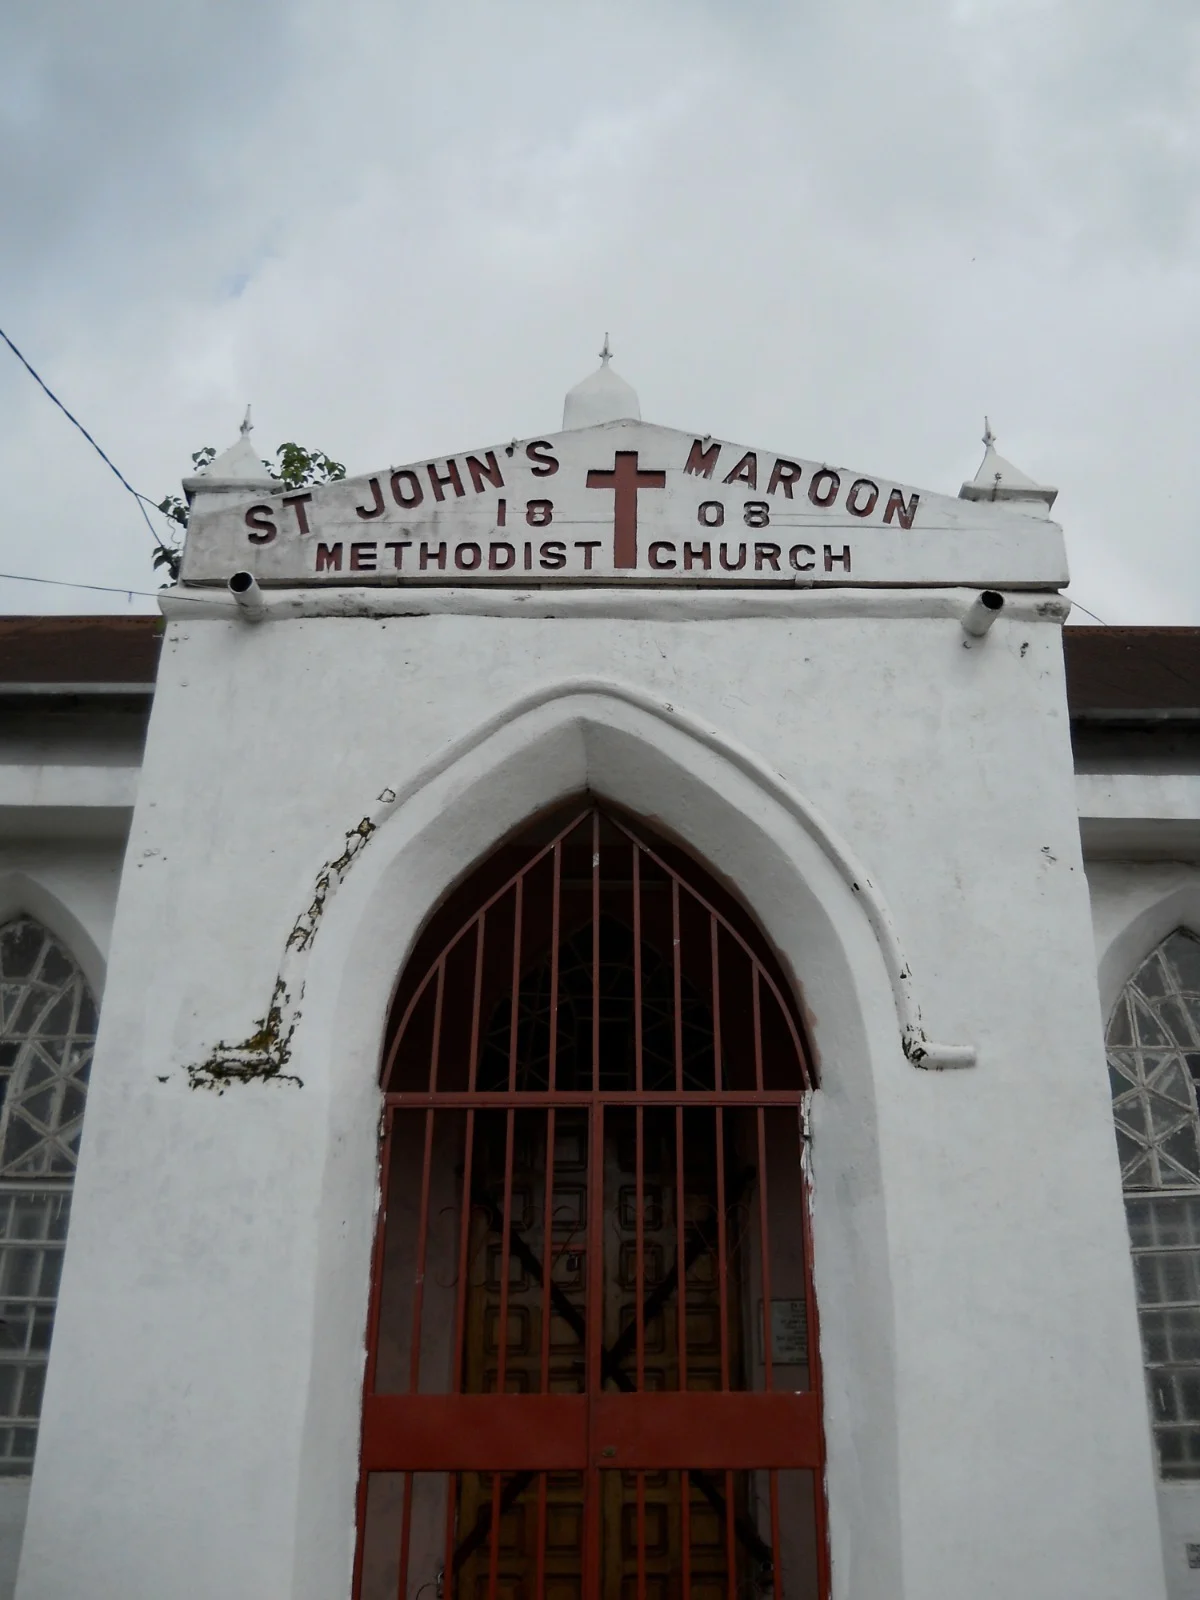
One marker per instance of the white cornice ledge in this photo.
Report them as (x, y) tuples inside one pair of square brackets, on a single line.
[(633, 604)]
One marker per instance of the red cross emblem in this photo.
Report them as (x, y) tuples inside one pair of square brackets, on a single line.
[(625, 480)]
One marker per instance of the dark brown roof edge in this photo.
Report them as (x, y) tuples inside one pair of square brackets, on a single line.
[(79, 655), (1149, 675)]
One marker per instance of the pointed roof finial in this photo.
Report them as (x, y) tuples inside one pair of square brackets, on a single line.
[(602, 397), (235, 471), (998, 479)]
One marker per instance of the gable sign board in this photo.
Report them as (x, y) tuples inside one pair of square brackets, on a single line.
[(625, 502)]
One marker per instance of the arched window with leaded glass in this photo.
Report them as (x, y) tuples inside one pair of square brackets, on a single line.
[(47, 1032), (1153, 1042)]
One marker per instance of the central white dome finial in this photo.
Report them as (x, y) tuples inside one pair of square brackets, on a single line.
[(601, 397)]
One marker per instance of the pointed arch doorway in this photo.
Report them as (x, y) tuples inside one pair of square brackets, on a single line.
[(592, 1366)]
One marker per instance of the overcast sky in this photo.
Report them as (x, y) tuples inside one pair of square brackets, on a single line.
[(844, 229)]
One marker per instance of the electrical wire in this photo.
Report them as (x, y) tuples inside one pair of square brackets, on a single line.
[(105, 588), (120, 476)]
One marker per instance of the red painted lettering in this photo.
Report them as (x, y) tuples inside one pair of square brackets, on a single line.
[(700, 462), (710, 513), (806, 549), (398, 547), (733, 566), (904, 514), (528, 555), (757, 514), (362, 557), (404, 479), (766, 555), (661, 563), (856, 504), (553, 554), (487, 468), (495, 564), (823, 490), (375, 509), (329, 558), (843, 558), (545, 462), (539, 513), (697, 552), (587, 546), (299, 503), (746, 471), (783, 475), (450, 477), (259, 521), (428, 554), (467, 556), (501, 513)]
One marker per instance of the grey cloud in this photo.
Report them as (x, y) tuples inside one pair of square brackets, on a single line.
[(845, 230)]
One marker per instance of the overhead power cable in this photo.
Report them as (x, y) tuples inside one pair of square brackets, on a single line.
[(142, 500), (106, 588)]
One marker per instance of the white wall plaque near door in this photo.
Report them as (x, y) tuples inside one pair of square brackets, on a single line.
[(789, 1333)]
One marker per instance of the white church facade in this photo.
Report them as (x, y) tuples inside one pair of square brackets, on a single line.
[(646, 1015)]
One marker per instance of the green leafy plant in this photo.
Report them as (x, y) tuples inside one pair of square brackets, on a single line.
[(294, 467)]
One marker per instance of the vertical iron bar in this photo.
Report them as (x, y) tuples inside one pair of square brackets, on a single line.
[(764, 1250), (680, 1254), (515, 1003), (641, 1537), (435, 1051), (448, 1559), (685, 1520), (494, 1539), (595, 952), (676, 976), (758, 1051), (476, 1003), (505, 1252), (718, 1065), (639, 1266), (722, 1246), (539, 1581), (776, 1562), (820, 1511), (548, 1197), (555, 917), (405, 1539), (595, 1238), (638, 1066), (731, 1549), (464, 1238), (595, 1335), (414, 1355)]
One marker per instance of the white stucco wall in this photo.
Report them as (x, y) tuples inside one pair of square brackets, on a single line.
[(984, 1404), (1135, 904)]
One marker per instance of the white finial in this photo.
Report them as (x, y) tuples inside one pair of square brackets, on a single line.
[(997, 479), (602, 397), (244, 430)]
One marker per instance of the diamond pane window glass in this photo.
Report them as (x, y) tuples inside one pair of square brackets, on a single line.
[(1153, 1040), (47, 1032)]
